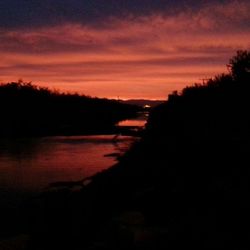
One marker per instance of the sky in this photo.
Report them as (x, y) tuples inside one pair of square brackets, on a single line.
[(120, 48)]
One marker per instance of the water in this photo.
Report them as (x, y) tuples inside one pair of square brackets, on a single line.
[(31, 164), (140, 121), (28, 166), (132, 123)]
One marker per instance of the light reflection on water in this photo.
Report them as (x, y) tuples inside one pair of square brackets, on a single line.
[(31, 164), (139, 121)]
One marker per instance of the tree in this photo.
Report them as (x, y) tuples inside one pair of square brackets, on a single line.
[(239, 65)]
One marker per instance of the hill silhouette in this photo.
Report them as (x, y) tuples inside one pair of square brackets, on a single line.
[(143, 102), (28, 110), (185, 184)]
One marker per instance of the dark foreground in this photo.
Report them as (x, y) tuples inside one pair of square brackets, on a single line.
[(184, 185)]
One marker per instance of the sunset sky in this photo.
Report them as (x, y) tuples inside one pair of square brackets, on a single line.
[(125, 48)]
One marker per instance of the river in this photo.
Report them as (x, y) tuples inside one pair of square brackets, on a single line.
[(29, 165)]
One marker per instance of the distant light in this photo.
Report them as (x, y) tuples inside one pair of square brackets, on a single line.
[(146, 106)]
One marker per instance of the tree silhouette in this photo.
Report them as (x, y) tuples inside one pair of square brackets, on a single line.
[(27, 109), (239, 65)]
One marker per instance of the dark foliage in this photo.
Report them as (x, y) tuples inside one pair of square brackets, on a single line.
[(184, 185), (194, 159), (239, 66), (30, 110)]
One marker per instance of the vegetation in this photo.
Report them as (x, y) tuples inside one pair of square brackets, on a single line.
[(185, 184), (191, 167), (239, 66), (30, 110)]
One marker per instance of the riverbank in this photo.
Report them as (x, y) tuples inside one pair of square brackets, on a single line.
[(30, 165), (31, 111), (184, 185)]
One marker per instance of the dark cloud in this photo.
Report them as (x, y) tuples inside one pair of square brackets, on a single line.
[(30, 13)]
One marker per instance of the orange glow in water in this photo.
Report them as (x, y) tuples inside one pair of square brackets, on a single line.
[(31, 164)]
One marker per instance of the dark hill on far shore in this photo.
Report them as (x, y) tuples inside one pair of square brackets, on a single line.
[(143, 102), (184, 185), (28, 110)]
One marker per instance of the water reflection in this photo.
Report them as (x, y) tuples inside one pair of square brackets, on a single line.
[(140, 121), (30, 164), (132, 123)]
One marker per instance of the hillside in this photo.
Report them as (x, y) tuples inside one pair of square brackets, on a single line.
[(184, 185), (143, 102), (28, 110)]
